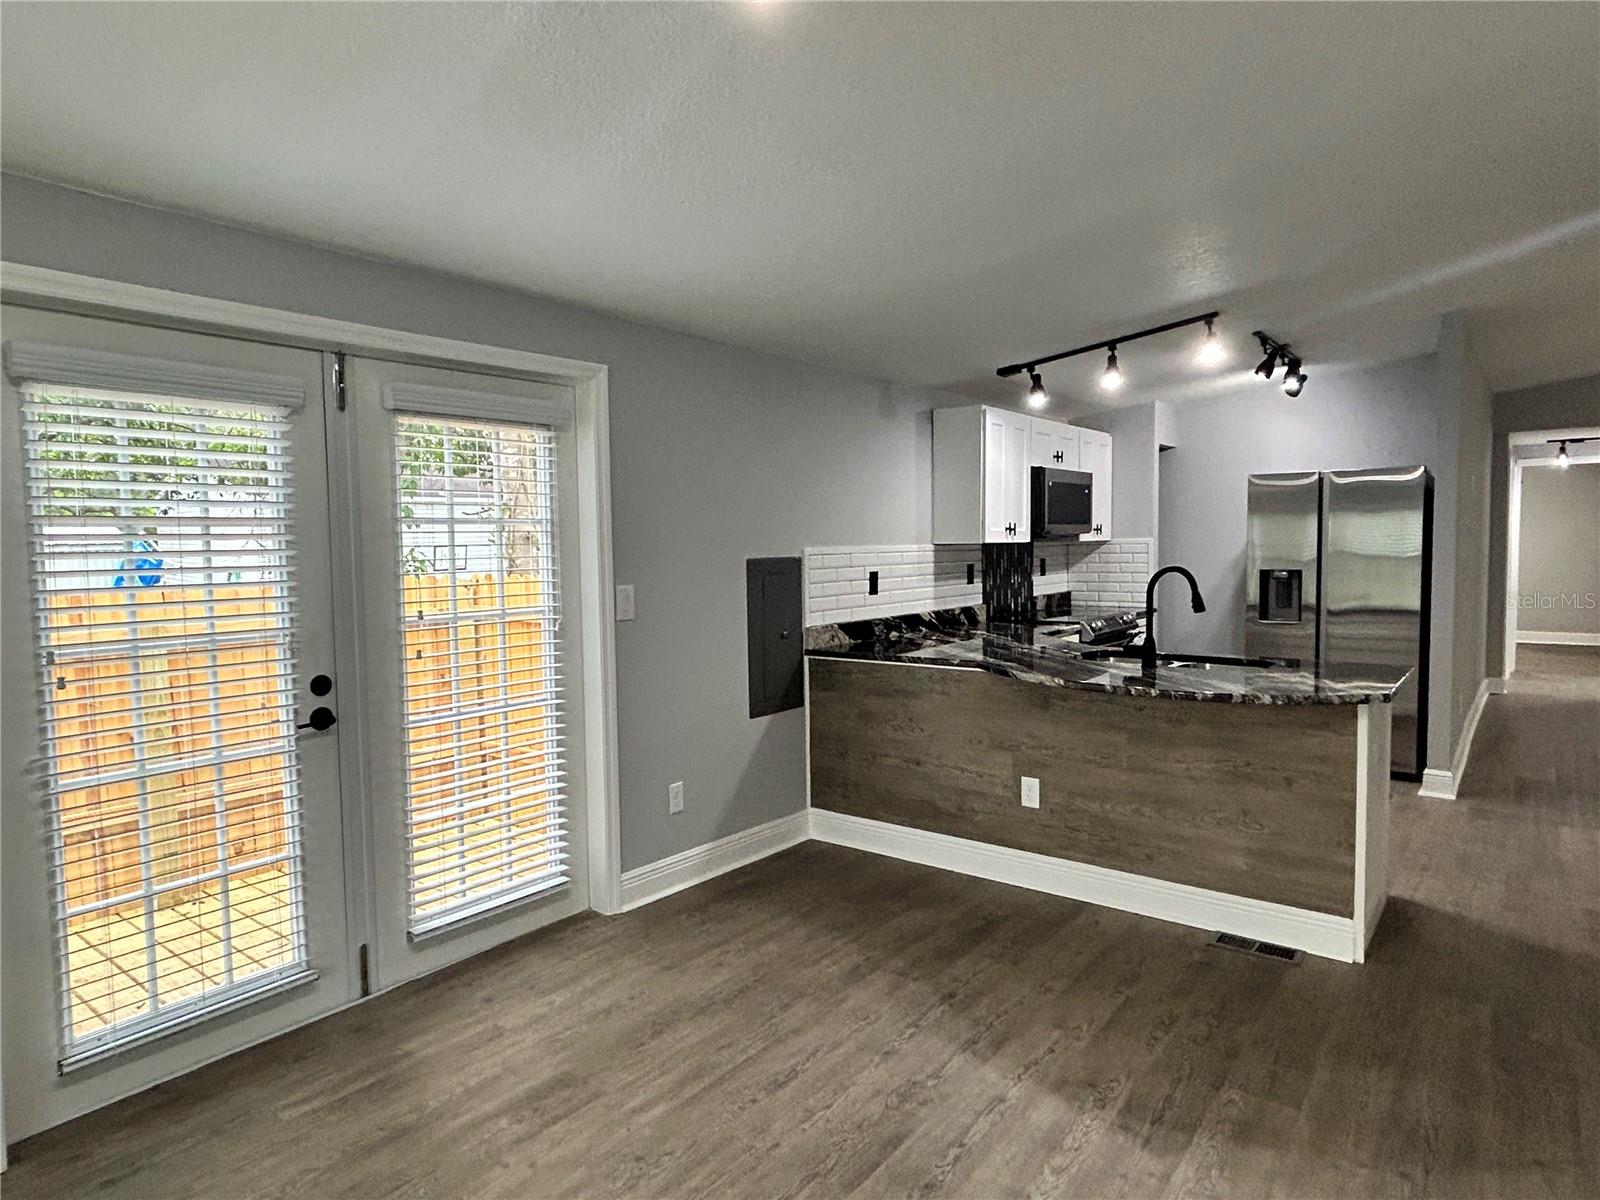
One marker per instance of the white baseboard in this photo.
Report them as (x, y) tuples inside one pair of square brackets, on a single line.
[(672, 874), (1442, 785), (1315, 933), (1535, 638), (1438, 785)]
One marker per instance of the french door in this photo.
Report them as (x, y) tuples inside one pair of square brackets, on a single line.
[(283, 691), (174, 878), (469, 659)]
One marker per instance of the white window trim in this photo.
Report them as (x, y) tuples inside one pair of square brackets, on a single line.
[(553, 406), (79, 368), (65, 291)]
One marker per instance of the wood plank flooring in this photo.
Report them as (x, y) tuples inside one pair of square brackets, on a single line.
[(828, 1023)]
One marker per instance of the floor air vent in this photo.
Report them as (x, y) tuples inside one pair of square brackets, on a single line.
[(1232, 941)]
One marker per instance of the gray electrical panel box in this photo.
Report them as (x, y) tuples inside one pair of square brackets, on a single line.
[(773, 621)]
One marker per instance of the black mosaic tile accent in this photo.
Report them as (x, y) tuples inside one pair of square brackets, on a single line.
[(1008, 580)]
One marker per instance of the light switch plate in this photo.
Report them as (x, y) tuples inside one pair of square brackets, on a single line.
[(1030, 792), (675, 797), (624, 601)]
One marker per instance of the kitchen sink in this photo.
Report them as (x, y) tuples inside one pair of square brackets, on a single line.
[(1188, 661)]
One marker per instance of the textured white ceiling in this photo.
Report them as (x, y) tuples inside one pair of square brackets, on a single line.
[(918, 192)]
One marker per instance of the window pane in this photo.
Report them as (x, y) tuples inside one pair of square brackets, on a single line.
[(480, 646), (164, 605)]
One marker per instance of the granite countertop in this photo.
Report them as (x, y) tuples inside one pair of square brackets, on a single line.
[(1036, 652)]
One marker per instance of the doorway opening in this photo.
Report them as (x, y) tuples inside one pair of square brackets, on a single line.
[(1552, 552)]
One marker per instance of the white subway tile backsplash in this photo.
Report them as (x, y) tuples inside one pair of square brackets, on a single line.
[(1111, 572), (914, 578), (911, 578)]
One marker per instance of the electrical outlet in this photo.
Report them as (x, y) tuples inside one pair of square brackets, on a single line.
[(624, 601), (675, 797), (1030, 792)]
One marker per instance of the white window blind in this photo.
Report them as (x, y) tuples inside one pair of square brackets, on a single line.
[(164, 607), (485, 805)]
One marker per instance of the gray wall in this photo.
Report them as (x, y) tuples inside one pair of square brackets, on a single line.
[(1462, 498), (1134, 494), (717, 454), (1564, 405), (1559, 551), (1385, 416)]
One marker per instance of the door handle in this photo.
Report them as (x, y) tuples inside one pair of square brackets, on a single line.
[(322, 720)]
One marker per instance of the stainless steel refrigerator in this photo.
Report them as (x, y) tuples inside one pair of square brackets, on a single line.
[(1338, 572)]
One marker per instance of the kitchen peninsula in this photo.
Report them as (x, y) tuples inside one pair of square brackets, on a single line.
[(1245, 797)]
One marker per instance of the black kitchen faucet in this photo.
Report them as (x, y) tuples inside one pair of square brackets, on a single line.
[(1148, 659)]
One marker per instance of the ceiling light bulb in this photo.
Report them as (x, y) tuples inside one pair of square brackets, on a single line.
[(1293, 378), (1037, 396), (1563, 459), (1211, 352), (1112, 379)]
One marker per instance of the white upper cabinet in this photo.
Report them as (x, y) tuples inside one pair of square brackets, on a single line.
[(1052, 444), (1094, 457), (980, 475), (982, 460)]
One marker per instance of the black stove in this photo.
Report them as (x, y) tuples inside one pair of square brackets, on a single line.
[(1102, 626)]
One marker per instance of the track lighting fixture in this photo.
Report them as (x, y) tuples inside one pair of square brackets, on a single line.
[(1037, 396), (1111, 380), (1293, 378), (1211, 352), (1563, 456)]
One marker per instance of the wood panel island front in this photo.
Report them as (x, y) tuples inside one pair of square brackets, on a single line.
[(1243, 799)]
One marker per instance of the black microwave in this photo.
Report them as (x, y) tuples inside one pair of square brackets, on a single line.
[(1063, 503)]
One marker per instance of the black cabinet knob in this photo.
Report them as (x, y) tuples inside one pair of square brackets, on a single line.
[(321, 685)]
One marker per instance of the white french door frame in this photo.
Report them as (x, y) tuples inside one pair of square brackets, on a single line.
[(70, 349), (62, 291), (367, 441)]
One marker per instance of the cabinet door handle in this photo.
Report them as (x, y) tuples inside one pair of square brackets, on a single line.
[(1058, 456)]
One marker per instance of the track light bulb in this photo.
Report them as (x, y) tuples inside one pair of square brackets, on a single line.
[(1563, 459), (1211, 352), (1293, 378), (1112, 379), (1037, 396)]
